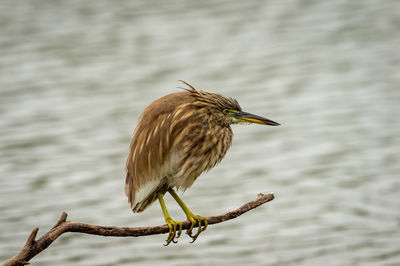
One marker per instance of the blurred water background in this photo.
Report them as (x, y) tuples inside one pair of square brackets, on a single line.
[(75, 75)]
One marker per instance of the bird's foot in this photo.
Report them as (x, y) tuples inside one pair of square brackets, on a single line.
[(200, 220), (173, 225)]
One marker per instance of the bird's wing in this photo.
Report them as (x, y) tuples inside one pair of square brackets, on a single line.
[(151, 160)]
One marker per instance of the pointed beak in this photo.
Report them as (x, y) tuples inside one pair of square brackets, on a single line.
[(250, 118)]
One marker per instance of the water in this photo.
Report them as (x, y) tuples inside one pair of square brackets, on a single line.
[(74, 76)]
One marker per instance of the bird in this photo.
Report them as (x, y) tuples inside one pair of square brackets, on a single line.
[(178, 137)]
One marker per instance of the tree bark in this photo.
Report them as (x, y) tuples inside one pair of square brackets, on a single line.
[(33, 247)]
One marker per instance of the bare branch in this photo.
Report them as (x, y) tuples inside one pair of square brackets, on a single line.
[(32, 236), (34, 247), (62, 219)]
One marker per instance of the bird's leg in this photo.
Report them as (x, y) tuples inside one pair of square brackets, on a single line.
[(193, 218), (171, 223)]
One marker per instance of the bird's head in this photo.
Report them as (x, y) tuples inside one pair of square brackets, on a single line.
[(226, 109)]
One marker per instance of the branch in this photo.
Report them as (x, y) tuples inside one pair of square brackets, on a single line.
[(34, 247)]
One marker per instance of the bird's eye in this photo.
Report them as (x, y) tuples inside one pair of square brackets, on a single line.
[(226, 111)]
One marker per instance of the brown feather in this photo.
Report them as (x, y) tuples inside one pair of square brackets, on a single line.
[(177, 138)]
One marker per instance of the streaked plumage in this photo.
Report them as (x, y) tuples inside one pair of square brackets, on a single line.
[(165, 141), (178, 137)]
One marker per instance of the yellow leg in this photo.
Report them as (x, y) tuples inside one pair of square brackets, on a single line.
[(193, 218), (171, 223)]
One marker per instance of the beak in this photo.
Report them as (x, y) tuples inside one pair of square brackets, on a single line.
[(250, 118)]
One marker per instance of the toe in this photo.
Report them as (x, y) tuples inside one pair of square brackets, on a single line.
[(192, 223), (172, 231), (199, 230), (205, 224)]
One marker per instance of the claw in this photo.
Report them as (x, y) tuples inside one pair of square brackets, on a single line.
[(172, 231), (199, 220), (192, 223)]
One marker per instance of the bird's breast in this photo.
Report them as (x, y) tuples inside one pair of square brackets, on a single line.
[(199, 151)]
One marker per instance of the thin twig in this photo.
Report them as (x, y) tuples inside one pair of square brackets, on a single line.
[(34, 247)]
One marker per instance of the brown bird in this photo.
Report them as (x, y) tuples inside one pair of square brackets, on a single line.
[(178, 137)]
